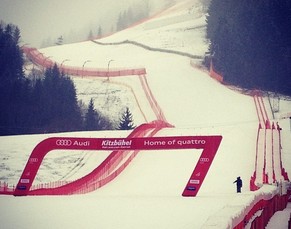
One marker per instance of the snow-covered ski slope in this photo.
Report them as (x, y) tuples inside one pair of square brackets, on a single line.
[(148, 193)]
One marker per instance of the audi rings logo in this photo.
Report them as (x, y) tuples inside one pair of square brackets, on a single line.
[(204, 159), (63, 142), (33, 159)]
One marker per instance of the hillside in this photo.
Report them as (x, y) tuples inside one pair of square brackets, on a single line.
[(147, 194)]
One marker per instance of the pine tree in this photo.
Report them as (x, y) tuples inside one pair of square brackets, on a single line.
[(90, 36), (47, 104), (91, 122), (62, 112), (14, 90), (249, 42), (60, 40), (120, 23), (100, 32), (126, 121)]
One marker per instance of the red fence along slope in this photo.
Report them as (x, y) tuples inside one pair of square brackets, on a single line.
[(268, 164), (39, 59)]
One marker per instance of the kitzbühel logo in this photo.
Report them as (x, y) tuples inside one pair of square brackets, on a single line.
[(116, 143)]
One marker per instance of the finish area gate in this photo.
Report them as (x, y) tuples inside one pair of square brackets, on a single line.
[(209, 144)]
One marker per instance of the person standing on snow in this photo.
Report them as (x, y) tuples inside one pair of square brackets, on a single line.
[(238, 182)]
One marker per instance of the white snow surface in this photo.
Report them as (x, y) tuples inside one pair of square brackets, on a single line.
[(147, 194)]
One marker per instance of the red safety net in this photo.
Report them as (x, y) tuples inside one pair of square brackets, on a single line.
[(261, 212), (268, 164), (45, 62), (214, 74)]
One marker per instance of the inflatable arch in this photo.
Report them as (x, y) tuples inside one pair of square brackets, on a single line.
[(209, 144)]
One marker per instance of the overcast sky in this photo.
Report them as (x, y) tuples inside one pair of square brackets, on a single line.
[(39, 20)]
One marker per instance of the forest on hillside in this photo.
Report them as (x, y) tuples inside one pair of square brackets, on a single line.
[(44, 101), (250, 43)]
